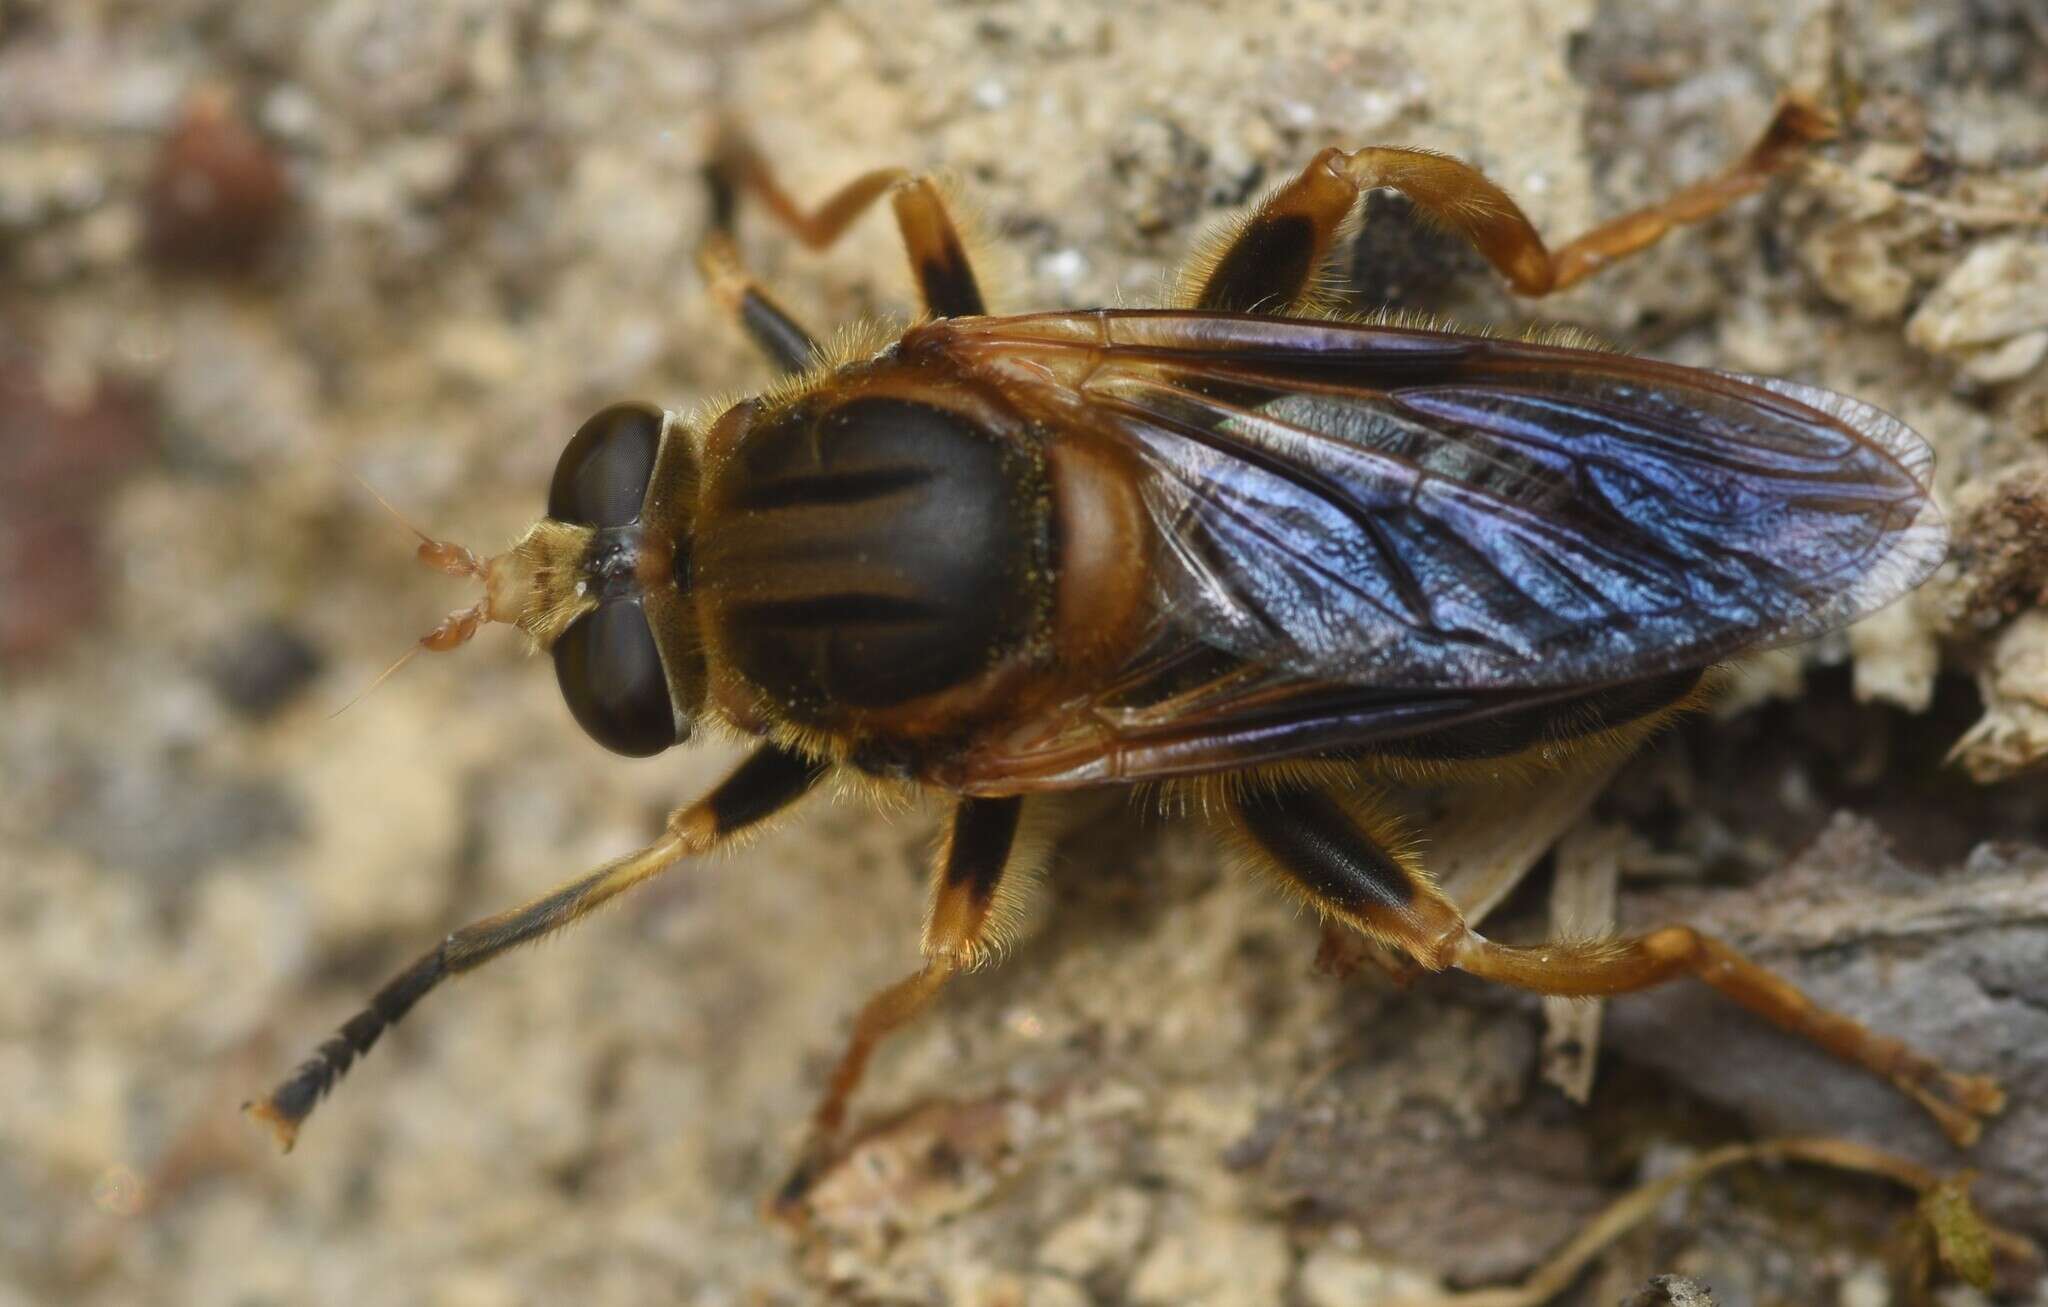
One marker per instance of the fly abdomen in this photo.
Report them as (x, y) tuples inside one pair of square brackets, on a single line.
[(866, 553)]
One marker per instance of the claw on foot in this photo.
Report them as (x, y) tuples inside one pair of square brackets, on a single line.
[(1960, 1103), (284, 1127)]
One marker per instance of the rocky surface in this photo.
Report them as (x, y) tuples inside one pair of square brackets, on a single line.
[(458, 227)]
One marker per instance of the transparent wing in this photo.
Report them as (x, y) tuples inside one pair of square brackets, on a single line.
[(1408, 509), (1184, 709)]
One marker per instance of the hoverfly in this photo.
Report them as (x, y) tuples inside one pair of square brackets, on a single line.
[(1240, 548)]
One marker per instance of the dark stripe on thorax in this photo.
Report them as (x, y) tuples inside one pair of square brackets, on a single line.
[(829, 611), (853, 487)]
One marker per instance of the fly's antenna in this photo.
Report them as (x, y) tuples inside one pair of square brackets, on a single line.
[(453, 632), (381, 677), (442, 556)]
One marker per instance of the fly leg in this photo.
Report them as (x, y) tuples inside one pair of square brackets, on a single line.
[(938, 258), (1462, 199), (1350, 861), (1579, 969), (1273, 259), (768, 781), (788, 346), (982, 868)]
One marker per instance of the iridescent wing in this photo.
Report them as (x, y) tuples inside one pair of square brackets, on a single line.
[(1154, 725), (1388, 531), (1399, 508)]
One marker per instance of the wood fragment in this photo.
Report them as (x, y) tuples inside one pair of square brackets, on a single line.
[(1582, 898), (1632, 1209)]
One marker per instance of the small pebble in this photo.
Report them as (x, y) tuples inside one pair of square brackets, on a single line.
[(261, 668), (218, 195)]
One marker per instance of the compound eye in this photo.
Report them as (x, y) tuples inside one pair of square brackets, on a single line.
[(611, 676), (602, 476)]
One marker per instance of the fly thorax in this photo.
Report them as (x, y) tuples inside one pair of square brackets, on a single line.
[(870, 551)]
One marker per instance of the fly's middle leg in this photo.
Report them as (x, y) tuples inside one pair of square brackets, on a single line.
[(1274, 260), (993, 849)]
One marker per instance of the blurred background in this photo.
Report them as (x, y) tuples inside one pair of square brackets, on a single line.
[(251, 252)]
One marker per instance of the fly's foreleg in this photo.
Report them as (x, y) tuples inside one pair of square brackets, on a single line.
[(938, 257), (1349, 860), (761, 786), (985, 864), (787, 344)]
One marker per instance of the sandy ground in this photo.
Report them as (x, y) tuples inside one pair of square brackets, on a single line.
[(453, 229)]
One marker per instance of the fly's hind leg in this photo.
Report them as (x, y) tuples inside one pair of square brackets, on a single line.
[(1581, 969), (1271, 262), (991, 851), (1350, 860), (938, 257)]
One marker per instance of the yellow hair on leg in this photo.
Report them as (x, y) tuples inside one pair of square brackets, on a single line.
[(996, 263), (1426, 933), (1318, 298), (975, 936)]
